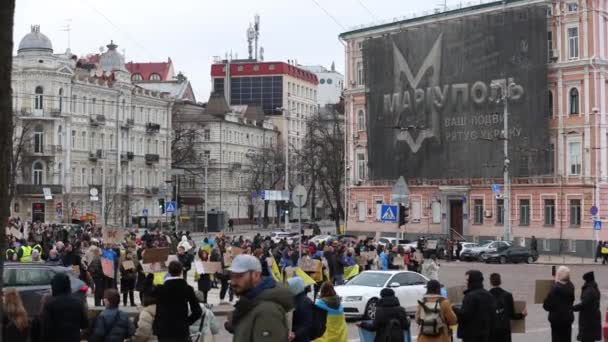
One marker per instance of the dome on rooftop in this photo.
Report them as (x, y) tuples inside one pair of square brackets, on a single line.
[(35, 42), (112, 60)]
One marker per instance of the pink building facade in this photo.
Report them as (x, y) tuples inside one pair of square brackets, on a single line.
[(554, 208)]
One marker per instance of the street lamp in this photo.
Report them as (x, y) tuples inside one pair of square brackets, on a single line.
[(285, 111)]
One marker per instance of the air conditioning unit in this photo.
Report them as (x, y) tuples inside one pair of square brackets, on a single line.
[(487, 213), (554, 54)]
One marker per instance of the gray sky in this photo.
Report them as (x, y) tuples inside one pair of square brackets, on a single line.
[(191, 32)]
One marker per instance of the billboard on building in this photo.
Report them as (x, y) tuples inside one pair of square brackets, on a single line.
[(436, 97)]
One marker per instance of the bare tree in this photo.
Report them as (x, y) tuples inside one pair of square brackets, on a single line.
[(22, 144), (266, 171), (7, 12)]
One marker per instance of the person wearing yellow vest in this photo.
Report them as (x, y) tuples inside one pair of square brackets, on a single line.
[(605, 253), (329, 310), (24, 253)]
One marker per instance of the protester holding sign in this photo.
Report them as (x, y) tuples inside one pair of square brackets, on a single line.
[(127, 279)]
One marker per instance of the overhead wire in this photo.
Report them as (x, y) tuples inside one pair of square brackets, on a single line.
[(367, 9), (329, 14)]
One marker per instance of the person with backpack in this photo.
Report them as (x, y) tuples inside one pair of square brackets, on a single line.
[(505, 311), (111, 325), (476, 315), (391, 319), (434, 315)]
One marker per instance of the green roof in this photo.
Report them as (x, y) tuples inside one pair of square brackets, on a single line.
[(430, 16)]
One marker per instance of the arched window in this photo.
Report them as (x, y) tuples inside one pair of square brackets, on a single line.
[(93, 106), (154, 77), (574, 102), (360, 120), (136, 77), (37, 173), (550, 104), (84, 105), (60, 100), (59, 135), (38, 139), (39, 98)]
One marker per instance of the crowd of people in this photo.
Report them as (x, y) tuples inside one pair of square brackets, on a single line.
[(273, 305)]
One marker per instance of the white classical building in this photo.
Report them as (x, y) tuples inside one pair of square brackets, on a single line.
[(94, 145), (331, 83)]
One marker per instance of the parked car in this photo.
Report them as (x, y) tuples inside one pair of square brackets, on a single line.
[(33, 281), (346, 238), (475, 253), (277, 236), (394, 241), (315, 228), (514, 254), (320, 238), (434, 247), (360, 295)]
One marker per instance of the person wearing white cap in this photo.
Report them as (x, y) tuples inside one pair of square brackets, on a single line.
[(260, 313)]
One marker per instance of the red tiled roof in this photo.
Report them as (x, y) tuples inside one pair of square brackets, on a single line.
[(147, 69)]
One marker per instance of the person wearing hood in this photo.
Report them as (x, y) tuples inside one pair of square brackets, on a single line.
[(390, 320), (184, 243), (476, 315), (329, 310), (559, 303), (261, 312), (302, 316), (64, 315), (590, 317)]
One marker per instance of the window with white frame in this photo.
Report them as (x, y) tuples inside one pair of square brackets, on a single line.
[(436, 210), (73, 140), (360, 79), (207, 134), (378, 201), (575, 212), (573, 42), (416, 210), (572, 246), (573, 98), (360, 166), (549, 205), (37, 173), (478, 211), (499, 211), (524, 212), (572, 6), (39, 98), (38, 139), (575, 157), (360, 120)]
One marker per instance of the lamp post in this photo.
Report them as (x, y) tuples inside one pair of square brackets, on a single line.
[(285, 112)]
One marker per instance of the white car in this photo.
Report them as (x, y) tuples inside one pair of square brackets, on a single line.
[(361, 294), (278, 236), (320, 238)]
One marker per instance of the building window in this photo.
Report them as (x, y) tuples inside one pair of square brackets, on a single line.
[(551, 158), (546, 245), (478, 214), (38, 139), (550, 104), (500, 211), (83, 177), (84, 105), (573, 42), (60, 135), (524, 212), (436, 211), (574, 103), (39, 98), (572, 6), (73, 103), (360, 79), (549, 212), (329, 81), (271, 67), (136, 77), (83, 143), (574, 157), (575, 212), (60, 100), (360, 120), (572, 246), (73, 141), (322, 81), (154, 77), (37, 173), (93, 106), (360, 166)]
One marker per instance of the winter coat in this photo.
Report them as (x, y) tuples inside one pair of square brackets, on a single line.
[(430, 269), (144, 325), (11, 333), (388, 308), (383, 261), (559, 304), (112, 325), (186, 260), (64, 315), (502, 332), (476, 315), (172, 319), (446, 312), (590, 317), (210, 324), (127, 279), (302, 318), (332, 312)]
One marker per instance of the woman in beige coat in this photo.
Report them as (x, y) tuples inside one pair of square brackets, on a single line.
[(433, 294), (144, 332)]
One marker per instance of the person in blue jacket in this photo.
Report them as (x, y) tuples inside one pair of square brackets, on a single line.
[(383, 258)]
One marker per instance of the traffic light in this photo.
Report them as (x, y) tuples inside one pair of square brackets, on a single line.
[(180, 202), (404, 213), (161, 204)]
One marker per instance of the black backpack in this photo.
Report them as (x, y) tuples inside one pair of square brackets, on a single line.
[(502, 321), (393, 332)]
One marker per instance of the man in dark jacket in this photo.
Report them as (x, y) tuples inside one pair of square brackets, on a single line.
[(112, 325), (332, 261), (590, 317), (505, 311), (302, 315), (390, 320), (476, 316), (64, 315), (172, 321)]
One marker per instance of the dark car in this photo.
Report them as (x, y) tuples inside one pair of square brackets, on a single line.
[(513, 254), (315, 228), (33, 281)]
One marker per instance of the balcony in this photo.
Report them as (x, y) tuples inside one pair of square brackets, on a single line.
[(36, 189), (127, 157), (93, 156), (129, 123), (42, 151), (97, 120), (128, 188), (151, 190), (152, 127), (152, 158), (55, 112)]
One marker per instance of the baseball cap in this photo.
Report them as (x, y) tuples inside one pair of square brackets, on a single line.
[(244, 263)]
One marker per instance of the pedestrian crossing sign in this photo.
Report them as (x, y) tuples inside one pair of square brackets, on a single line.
[(170, 207), (388, 213)]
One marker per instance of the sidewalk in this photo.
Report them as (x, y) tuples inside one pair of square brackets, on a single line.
[(545, 259)]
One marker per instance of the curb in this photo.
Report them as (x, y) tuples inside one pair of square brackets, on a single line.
[(222, 310)]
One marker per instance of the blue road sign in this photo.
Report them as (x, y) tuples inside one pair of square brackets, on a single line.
[(145, 212), (496, 188), (388, 213), (594, 210), (597, 225), (170, 207)]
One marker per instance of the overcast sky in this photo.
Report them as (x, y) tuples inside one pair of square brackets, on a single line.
[(191, 32)]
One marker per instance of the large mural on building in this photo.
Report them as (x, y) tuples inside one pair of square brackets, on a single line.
[(436, 95)]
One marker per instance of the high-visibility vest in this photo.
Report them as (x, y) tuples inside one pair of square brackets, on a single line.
[(604, 250), (27, 254)]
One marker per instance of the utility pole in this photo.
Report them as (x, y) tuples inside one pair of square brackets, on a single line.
[(206, 165), (507, 235)]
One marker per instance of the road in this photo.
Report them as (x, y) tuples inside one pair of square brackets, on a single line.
[(520, 280)]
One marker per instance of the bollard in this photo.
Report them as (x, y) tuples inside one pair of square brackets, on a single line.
[(553, 271)]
